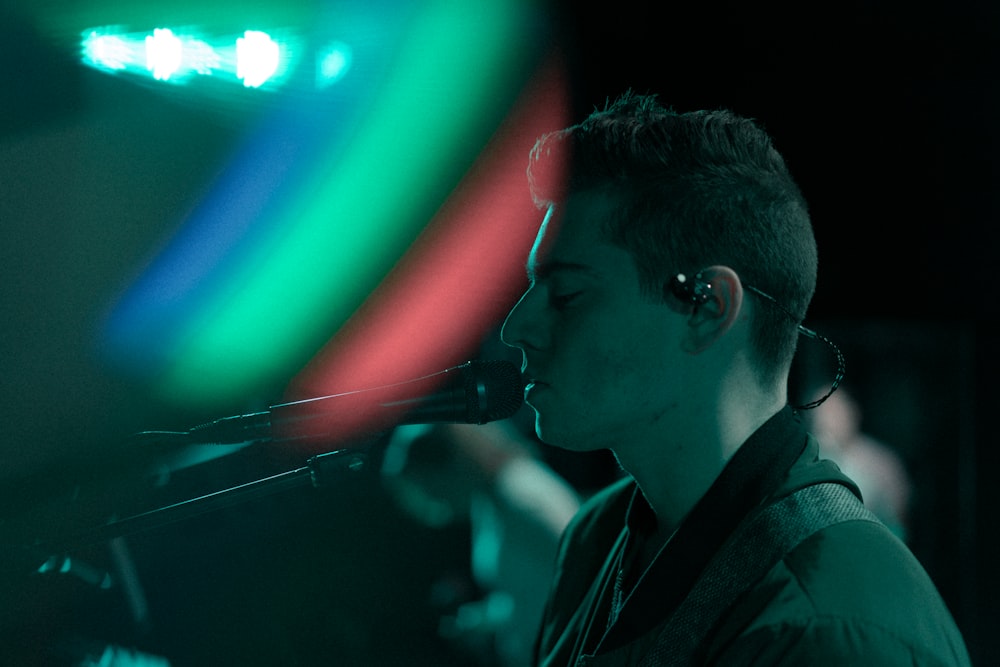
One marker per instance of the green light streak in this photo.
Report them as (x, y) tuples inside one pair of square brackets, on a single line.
[(361, 209)]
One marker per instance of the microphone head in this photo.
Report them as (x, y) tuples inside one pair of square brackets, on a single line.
[(494, 390)]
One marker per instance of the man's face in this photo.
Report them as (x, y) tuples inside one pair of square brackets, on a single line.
[(598, 354)]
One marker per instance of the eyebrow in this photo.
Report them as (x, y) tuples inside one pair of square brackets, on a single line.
[(547, 268)]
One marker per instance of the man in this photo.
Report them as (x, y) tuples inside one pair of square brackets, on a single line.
[(668, 281)]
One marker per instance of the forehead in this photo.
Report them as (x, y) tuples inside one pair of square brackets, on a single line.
[(571, 233)]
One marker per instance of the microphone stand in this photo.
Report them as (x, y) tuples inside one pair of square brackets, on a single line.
[(317, 472)]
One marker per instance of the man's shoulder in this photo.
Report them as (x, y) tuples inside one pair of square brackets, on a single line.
[(858, 565), (852, 589)]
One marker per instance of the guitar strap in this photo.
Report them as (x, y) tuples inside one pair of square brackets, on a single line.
[(758, 544), (745, 558)]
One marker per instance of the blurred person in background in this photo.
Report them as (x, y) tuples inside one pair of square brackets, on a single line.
[(876, 467), (516, 506)]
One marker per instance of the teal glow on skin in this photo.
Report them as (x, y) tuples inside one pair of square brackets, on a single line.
[(652, 380), (591, 338)]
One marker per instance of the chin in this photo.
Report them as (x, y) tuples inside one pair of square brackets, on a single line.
[(553, 433), (546, 432)]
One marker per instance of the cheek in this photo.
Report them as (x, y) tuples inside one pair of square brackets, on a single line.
[(621, 376), (630, 348), (613, 375), (635, 372)]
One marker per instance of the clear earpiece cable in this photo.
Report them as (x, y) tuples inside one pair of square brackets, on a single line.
[(805, 331)]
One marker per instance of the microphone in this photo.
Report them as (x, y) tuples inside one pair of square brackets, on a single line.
[(475, 392)]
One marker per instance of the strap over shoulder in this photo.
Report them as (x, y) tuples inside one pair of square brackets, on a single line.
[(759, 542)]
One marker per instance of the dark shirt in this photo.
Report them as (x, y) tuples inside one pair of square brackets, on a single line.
[(851, 594)]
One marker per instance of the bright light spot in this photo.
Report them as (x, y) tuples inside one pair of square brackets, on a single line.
[(170, 54), (332, 64), (107, 51), (257, 58), (164, 52)]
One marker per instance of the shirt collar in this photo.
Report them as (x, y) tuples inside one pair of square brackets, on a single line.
[(752, 475)]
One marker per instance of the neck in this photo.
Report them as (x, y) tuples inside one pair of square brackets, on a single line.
[(674, 471)]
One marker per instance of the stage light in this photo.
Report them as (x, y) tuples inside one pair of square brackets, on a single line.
[(328, 194), (164, 53), (106, 51), (173, 55), (332, 63), (257, 58)]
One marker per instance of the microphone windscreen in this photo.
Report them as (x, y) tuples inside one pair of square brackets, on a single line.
[(496, 388)]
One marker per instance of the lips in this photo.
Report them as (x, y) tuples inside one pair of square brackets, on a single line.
[(532, 388), (530, 379), (532, 383)]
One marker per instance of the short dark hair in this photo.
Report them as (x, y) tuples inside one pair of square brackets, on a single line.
[(692, 190)]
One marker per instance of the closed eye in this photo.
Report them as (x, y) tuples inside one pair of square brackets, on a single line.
[(560, 301)]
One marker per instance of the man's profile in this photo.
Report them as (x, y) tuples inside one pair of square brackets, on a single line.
[(667, 287)]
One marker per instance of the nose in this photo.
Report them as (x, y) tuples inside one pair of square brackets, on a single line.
[(520, 329)]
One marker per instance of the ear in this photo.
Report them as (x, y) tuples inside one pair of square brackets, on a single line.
[(710, 320)]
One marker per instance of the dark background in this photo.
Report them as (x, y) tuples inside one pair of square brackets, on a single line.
[(886, 113)]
